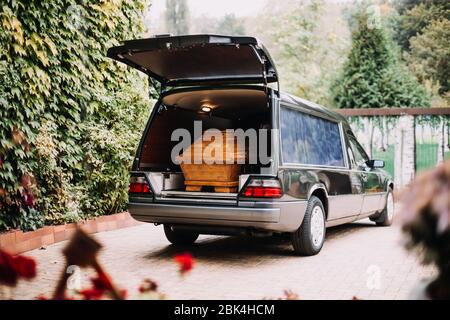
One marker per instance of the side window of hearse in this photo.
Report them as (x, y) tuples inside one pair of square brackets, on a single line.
[(359, 154), (310, 140)]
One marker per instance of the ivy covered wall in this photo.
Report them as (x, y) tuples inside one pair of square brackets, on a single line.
[(70, 118)]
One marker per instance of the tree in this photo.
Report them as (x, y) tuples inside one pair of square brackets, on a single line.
[(230, 25), (204, 24), (306, 51), (296, 44), (177, 17), (429, 56), (421, 30), (402, 6), (413, 22), (373, 76)]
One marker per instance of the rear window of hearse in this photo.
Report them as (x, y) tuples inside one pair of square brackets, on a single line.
[(310, 140)]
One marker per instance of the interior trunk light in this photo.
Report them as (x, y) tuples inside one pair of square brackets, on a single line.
[(206, 109), (263, 188), (138, 185), (213, 39)]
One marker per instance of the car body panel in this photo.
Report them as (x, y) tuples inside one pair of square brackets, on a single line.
[(272, 216), (300, 183)]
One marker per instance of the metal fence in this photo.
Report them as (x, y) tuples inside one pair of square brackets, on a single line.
[(408, 140)]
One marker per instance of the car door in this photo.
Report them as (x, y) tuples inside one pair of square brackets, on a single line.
[(369, 177)]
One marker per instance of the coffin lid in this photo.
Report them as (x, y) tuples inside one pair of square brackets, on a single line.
[(229, 148), (198, 59)]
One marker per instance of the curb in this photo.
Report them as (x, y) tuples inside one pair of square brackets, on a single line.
[(17, 242)]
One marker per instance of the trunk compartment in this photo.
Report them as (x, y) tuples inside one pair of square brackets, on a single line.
[(232, 108)]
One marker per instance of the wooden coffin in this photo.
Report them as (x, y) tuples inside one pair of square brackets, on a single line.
[(218, 165)]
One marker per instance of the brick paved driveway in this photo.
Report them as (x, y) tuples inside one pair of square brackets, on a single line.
[(357, 259)]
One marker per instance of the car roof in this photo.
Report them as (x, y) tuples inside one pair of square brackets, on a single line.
[(306, 104), (285, 97)]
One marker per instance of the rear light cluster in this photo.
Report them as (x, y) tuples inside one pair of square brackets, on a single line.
[(139, 185), (263, 188)]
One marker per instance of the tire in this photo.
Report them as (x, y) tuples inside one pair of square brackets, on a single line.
[(309, 238), (387, 216), (180, 237)]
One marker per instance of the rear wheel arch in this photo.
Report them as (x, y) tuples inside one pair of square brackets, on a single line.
[(321, 193)]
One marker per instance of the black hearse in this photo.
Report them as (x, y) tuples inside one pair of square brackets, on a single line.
[(318, 174)]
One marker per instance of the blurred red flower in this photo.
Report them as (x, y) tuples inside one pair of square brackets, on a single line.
[(14, 267), (25, 267), (102, 282), (185, 262), (8, 275), (100, 286), (91, 294)]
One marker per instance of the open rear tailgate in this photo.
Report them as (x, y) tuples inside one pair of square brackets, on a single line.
[(198, 59)]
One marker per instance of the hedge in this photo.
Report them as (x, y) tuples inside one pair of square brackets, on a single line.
[(70, 117)]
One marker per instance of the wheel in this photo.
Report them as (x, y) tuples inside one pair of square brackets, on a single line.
[(309, 238), (387, 216), (179, 237)]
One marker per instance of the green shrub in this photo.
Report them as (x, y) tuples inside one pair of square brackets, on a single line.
[(71, 118)]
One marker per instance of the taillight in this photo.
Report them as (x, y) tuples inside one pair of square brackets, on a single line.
[(263, 188), (138, 185)]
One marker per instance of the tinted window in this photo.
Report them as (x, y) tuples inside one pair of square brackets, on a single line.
[(358, 156), (310, 140)]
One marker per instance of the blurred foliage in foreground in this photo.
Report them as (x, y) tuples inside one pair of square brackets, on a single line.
[(70, 117)]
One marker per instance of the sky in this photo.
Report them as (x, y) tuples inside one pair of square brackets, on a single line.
[(215, 8)]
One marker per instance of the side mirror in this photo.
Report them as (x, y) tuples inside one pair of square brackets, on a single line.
[(375, 164)]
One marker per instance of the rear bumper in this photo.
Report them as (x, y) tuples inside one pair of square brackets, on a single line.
[(270, 216)]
